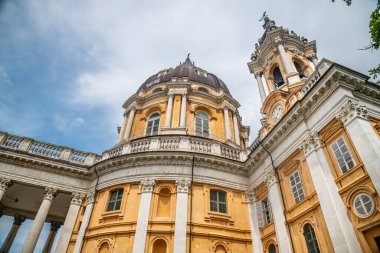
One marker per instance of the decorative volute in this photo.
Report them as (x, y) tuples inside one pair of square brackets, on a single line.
[(282, 61)]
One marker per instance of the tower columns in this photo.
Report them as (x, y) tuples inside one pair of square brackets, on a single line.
[(227, 123), (181, 215), (182, 123), (68, 226), (130, 121), (334, 211), (275, 199), (147, 186), (35, 231), (314, 59), (123, 126), (253, 221), (7, 244), (169, 111), (54, 226), (258, 76), (290, 70), (85, 221), (236, 128)]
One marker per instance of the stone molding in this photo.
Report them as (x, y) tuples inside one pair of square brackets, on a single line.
[(91, 196), (147, 185), (5, 183), (50, 193), (270, 178), (350, 111), (183, 185), (311, 143), (76, 198), (278, 41), (251, 198)]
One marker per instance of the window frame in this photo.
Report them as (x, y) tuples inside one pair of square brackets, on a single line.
[(314, 240), (218, 202), (363, 205), (155, 119), (295, 189), (264, 212), (116, 200), (346, 146), (271, 247), (202, 123)]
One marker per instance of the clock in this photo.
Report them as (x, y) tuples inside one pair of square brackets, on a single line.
[(277, 113)]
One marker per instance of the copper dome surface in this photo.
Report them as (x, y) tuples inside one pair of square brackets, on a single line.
[(185, 69)]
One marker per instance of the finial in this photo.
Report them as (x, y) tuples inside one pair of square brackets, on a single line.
[(264, 17), (268, 23), (188, 61)]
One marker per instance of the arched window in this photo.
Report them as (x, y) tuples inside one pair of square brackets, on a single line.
[(163, 207), (272, 248), (299, 69), (203, 89), (153, 124), (277, 77), (311, 239), (220, 249), (218, 201), (159, 246), (202, 124), (104, 248), (114, 201)]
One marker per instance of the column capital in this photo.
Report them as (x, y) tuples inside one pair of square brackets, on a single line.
[(170, 94), (50, 193), (18, 219), (311, 143), (312, 57), (271, 178), (76, 198), (91, 196), (131, 108), (5, 183), (258, 74), (278, 41), (350, 111), (55, 225), (183, 185), (250, 194), (147, 185)]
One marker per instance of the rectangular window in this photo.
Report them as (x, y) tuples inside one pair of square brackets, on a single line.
[(264, 212), (342, 155), (218, 201), (297, 188), (115, 200)]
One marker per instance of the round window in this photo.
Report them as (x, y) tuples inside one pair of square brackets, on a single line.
[(364, 205)]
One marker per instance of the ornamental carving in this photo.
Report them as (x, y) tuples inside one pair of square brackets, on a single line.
[(350, 111), (183, 185), (18, 219), (50, 193), (91, 196), (311, 143), (270, 178), (147, 185), (5, 183), (76, 198), (250, 194)]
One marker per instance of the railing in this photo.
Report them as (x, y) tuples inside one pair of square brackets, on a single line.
[(115, 151), (46, 149), (140, 146), (201, 146)]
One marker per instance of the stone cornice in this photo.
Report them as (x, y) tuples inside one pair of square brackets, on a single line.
[(311, 143), (350, 111)]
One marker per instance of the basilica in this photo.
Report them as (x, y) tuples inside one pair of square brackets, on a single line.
[(184, 178)]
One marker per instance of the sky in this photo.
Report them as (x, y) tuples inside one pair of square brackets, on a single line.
[(66, 67)]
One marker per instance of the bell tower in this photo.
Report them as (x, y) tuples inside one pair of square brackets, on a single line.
[(281, 63)]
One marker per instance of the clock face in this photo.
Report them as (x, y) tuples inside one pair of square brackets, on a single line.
[(277, 113)]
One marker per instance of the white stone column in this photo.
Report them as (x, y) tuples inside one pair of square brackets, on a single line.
[(169, 110), (68, 226), (257, 245), (227, 123), (334, 211), (129, 123), (314, 59), (277, 207), (182, 123), (5, 183), (364, 138), (123, 126), (236, 128), (290, 69), (7, 244), (147, 186), (35, 231), (181, 215), (261, 86), (54, 226), (85, 220)]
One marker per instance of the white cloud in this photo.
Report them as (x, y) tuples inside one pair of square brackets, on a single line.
[(66, 124)]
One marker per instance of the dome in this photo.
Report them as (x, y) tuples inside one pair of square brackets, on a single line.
[(189, 70)]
